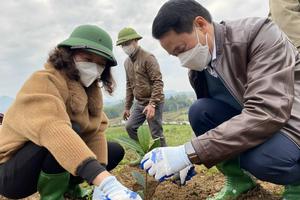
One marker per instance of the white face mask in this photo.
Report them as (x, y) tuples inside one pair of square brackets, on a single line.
[(89, 72), (196, 58), (129, 49)]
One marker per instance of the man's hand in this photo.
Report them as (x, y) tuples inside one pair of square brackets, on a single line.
[(164, 162), (126, 114), (111, 189), (149, 111)]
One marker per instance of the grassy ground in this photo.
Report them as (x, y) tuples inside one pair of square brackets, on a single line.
[(180, 115)]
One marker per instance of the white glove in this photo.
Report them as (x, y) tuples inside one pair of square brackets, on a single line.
[(111, 189), (180, 178), (164, 162)]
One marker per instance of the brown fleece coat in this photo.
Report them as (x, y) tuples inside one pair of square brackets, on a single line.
[(43, 112)]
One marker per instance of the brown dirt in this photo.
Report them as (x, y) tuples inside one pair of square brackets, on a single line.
[(204, 184)]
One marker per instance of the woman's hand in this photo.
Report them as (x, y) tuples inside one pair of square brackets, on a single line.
[(111, 189)]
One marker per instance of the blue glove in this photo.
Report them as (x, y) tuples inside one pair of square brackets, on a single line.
[(112, 189), (164, 162), (180, 178)]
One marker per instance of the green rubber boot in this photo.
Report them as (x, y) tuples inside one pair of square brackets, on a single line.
[(53, 186), (237, 182), (291, 192)]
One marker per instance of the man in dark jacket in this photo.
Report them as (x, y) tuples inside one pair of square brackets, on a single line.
[(246, 75), (143, 83)]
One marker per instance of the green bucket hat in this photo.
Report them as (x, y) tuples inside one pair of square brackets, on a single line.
[(93, 39), (127, 34)]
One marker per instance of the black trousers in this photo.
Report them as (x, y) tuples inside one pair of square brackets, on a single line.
[(19, 175)]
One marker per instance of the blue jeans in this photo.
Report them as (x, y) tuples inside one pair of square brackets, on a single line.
[(277, 160)]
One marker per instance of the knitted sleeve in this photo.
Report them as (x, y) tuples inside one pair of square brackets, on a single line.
[(96, 141)]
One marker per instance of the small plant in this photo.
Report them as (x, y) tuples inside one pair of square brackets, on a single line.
[(144, 144)]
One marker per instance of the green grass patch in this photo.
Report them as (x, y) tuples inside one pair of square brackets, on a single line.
[(175, 134), (180, 115)]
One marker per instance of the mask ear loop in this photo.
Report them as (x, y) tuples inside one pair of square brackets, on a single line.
[(198, 37), (197, 34)]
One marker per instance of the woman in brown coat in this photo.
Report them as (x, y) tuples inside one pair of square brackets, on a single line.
[(56, 125)]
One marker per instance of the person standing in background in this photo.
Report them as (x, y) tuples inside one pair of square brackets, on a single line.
[(143, 83)]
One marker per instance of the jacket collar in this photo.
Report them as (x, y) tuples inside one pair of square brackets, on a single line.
[(197, 79), (80, 97), (219, 30)]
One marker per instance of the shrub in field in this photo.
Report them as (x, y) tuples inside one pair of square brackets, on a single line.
[(144, 144)]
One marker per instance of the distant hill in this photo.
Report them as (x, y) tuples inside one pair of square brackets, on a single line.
[(175, 102), (170, 93), (110, 101), (5, 102)]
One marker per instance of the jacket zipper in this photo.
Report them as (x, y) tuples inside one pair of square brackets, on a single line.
[(230, 91)]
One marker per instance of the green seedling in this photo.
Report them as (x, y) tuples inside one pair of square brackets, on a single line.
[(144, 144)]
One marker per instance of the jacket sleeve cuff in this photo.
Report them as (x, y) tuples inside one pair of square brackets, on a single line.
[(89, 169), (128, 106), (203, 155), (191, 153)]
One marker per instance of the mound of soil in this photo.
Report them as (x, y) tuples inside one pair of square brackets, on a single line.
[(203, 185)]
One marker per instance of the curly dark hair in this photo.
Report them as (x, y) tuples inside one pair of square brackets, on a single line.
[(62, 59)]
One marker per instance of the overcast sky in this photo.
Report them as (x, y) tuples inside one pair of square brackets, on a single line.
[(31, 28)]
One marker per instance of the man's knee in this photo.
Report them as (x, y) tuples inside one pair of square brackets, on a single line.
[(129, 126), (198, 108), (206, 114), (131, 130), (198, 114)]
